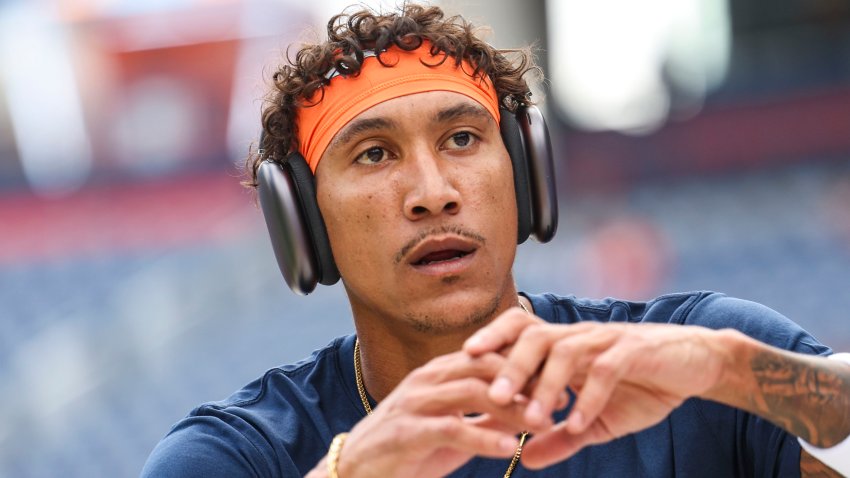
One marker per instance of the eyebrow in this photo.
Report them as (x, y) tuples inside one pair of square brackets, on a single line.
[(461, 110), (359, 126), (365, 125)]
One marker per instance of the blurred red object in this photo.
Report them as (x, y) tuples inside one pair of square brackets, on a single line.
[(627, 257), (114, 219)]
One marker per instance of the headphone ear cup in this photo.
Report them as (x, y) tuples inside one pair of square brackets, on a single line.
[(541, 173), (283, 191), (305, 187), (289, 235), (514, 143)]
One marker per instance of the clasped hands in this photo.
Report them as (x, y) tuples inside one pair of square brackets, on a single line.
[(626, 377), (512, 374)]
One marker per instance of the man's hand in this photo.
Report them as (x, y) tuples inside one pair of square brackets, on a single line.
[(421, 428), (627, 377)]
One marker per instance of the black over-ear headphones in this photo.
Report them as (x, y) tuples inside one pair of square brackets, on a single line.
[(287, 193)]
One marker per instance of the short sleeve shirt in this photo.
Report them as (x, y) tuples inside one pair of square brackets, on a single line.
[(281, 424)]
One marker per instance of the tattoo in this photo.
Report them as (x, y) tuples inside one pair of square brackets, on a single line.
[(809, 397), (811, 467)]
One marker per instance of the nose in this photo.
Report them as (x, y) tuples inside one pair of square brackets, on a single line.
[(432, 190)]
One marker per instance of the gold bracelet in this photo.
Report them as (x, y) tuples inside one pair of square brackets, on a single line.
[(333, 454)]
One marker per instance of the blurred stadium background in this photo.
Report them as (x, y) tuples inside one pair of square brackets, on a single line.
[(701, 144)]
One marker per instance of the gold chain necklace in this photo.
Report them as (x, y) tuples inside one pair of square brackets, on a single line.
[(361, 390)]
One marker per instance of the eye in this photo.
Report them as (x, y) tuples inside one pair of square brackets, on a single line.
[(373, 155), (460, 140)]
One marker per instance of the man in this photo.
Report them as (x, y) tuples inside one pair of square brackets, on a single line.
[(398, 117)]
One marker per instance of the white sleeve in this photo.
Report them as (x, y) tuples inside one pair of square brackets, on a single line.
[(837, 456)]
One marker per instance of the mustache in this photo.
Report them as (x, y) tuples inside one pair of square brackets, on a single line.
[(435, 231)]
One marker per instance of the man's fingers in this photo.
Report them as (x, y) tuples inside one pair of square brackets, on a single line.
[(568, 356), (530, 351), (458, 384), (487, 421), (453, 432), (557, 445), (602, 378), (463, 396), (502, 331), (563, 400), (522, 364), (455, 366)]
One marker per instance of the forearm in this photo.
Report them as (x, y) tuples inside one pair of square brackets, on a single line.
[(808, 396)]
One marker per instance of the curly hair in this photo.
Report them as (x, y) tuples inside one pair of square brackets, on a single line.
[(349, 35)]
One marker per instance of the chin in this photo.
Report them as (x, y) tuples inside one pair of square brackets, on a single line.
[(448, 318)]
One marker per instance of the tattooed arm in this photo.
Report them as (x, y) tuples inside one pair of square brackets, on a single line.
[(808, 396)]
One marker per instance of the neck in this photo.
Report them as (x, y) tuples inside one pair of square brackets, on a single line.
[(389, 350)]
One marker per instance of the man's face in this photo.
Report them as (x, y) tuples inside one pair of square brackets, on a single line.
[(418, 198)]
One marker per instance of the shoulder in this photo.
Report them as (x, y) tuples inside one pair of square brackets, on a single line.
[(671, 308), (702, 308), (718, 311), (293, 382), (254, 431)]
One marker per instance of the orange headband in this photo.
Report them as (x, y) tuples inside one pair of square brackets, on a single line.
[(346, 97)]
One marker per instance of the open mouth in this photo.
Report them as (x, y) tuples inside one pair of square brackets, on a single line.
[(441, 256)]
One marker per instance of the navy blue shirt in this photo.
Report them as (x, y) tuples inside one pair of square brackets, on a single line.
[(282, 424)]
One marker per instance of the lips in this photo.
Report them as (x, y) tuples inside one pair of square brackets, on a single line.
[(436, 251)]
